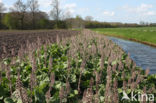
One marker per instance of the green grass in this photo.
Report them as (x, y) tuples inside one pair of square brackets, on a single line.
[(143, 34)]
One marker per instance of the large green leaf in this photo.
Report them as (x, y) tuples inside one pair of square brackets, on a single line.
[(8, 100)]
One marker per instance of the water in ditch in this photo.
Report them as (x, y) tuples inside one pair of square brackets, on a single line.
[(143, 55)]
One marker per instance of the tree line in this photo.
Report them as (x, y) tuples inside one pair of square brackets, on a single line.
[(26, 15)]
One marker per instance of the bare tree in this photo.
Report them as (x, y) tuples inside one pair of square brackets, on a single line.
[(2, 9), (56, 11), (78, 22), (20, 8), (67, 17), (88, 18), (34, 8)]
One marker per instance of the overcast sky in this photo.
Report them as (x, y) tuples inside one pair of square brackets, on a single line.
[(130, 11)]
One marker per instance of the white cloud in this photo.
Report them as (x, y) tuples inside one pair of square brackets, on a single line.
[(108, 13), (73, 5), (143, 7), (83, 10), (70, 8), (47, 3), (146, 6), (151, 13), (140, 8), (44, 3), (143, 10), (0, 1)]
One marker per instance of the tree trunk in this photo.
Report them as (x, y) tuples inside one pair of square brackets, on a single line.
[(33, 20), (22, 22), (0, 20)]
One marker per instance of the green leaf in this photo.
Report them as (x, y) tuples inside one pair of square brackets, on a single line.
[(102, 98), (128, 91), (54, 100), (64, 100), (120, 90), (1, 97), (39, 96), (71, 95), (106, 62), (8, 100), (58, 85), (75, 92), (16, 96), (19, 101), (114, 62), (7, 61), (73, 78)]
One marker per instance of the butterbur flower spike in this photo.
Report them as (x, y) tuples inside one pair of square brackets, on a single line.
[(147, 71)]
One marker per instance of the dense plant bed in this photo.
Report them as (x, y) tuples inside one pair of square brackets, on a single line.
[(12, 41), (86, 68)]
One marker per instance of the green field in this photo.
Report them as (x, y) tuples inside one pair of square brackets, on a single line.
[(142, 34)]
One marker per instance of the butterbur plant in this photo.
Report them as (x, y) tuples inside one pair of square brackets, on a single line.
[(21, 90), (81, 71), (33, 73), (91, 69), (0, 73), (52, 81)]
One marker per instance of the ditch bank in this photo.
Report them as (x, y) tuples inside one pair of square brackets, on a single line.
[(131, 39)]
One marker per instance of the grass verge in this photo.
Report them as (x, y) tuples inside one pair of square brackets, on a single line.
[(145, 35)]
